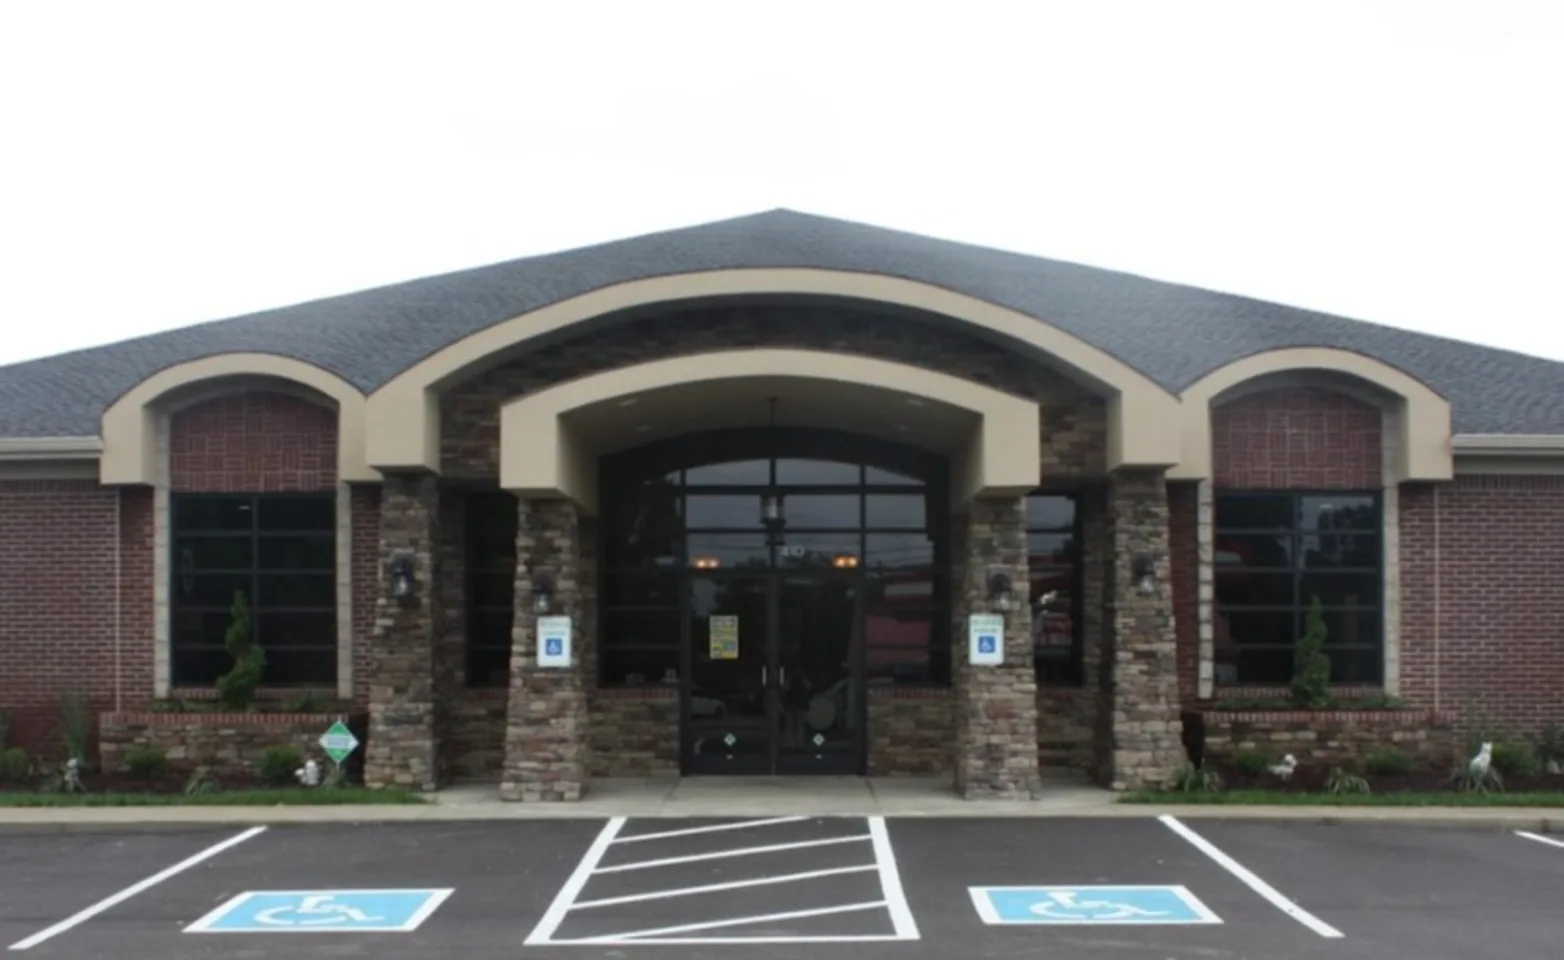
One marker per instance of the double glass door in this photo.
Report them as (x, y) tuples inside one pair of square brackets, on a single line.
[(773, 680)]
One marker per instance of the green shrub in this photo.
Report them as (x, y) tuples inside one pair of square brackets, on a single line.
[(14, 765), (201, 782), (5, 730), (1253, 762), (279, 763), (236, 688), (1388, 762), (1311, 673), (1340, 781), (1516, 759), (147, 762)]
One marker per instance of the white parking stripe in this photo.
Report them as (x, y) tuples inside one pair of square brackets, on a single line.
[(555, 914), (723, 854), (636, 936), (890, 881), (714, 828), (1540, 839), (730, 885), (1254, 883), (132, 890)]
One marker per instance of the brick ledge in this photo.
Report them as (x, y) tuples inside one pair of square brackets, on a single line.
[(1384, 717), (169, 719)]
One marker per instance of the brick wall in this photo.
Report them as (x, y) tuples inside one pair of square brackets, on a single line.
[(1496, 653), (1297, 438), (57, 603), (253, 442), (1184, 568), (365, 500)]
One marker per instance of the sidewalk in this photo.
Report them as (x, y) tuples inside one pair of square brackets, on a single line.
[(703, 797)]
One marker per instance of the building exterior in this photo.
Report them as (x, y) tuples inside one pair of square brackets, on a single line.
[(769, 468)]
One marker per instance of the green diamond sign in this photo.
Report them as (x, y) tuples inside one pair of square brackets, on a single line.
[(730, 739), (338, 742)]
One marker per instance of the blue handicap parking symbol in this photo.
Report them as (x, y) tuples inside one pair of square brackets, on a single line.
[(987, 643), (1090, 905), (299, 911), (554, 646)]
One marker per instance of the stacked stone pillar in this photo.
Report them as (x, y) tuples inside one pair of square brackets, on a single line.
[(1144, 745), (402, 747), (996, 706), (546, 726)]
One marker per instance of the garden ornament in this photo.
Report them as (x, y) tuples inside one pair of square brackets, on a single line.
[(309, 774), (1479, 764), (1286, 767)]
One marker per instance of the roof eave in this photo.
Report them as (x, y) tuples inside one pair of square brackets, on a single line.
[(34, 449), (1531, 445)]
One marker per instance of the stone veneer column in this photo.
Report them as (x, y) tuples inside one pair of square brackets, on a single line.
[(1145, 745), (402, 746), (546, 747), (996, 707)]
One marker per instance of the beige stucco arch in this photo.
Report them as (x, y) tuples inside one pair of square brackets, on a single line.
[(130, 424), (550, 441), (1423, 420), (404, 413)]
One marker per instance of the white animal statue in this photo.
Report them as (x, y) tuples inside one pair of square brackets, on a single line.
[(309, 774), (1480, 764), (1286, 767)]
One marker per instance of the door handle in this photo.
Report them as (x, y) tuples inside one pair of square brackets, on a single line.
[(762, 678), (782, 676)]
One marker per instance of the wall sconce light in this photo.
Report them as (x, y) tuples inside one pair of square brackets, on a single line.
[(845, 561), (542, 594), (401, 570), (705, 563), (1145, 570), (1000, 592)]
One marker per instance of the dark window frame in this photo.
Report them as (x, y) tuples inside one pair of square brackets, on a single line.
[(1298, 571), (476, 651), (255, 570), (1072, 672)]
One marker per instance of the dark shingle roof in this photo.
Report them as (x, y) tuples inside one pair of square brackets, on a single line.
[(1174, 334)]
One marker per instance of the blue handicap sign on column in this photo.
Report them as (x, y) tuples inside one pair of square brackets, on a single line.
[(554, 646), (987, 643), (300, 911), (1107, 905)]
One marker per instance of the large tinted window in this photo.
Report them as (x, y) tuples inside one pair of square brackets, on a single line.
[(1053, 541), (848, 507), (1275, 552), (279, 552), (491, 587)]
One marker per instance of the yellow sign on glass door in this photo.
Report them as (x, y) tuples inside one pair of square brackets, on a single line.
[(724, 631)]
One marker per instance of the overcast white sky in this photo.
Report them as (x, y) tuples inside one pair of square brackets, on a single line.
[(167, 163)]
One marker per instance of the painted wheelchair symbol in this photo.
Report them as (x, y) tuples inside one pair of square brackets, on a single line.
[(1065, 905), (314, 911)]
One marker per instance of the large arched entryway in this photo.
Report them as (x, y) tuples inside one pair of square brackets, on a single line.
[(773, 575)]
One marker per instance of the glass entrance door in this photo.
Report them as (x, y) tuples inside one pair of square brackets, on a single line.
[(773, 679), (728, 723), (819, 703)]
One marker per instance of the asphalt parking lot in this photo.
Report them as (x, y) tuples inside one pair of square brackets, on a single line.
[(786, 887)]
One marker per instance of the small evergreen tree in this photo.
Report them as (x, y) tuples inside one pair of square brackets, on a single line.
[(1311, 666), (236, 688)]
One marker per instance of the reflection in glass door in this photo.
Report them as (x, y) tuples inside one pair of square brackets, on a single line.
[(727, 717), (819, 709)]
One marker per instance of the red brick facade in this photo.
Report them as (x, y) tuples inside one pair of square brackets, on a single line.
[(1184, 564), (1295, 438), (57, 607), (253, 442), (366, 582), (1481, 617)]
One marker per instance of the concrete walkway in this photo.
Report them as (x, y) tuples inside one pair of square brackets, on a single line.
[(759, 797)]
